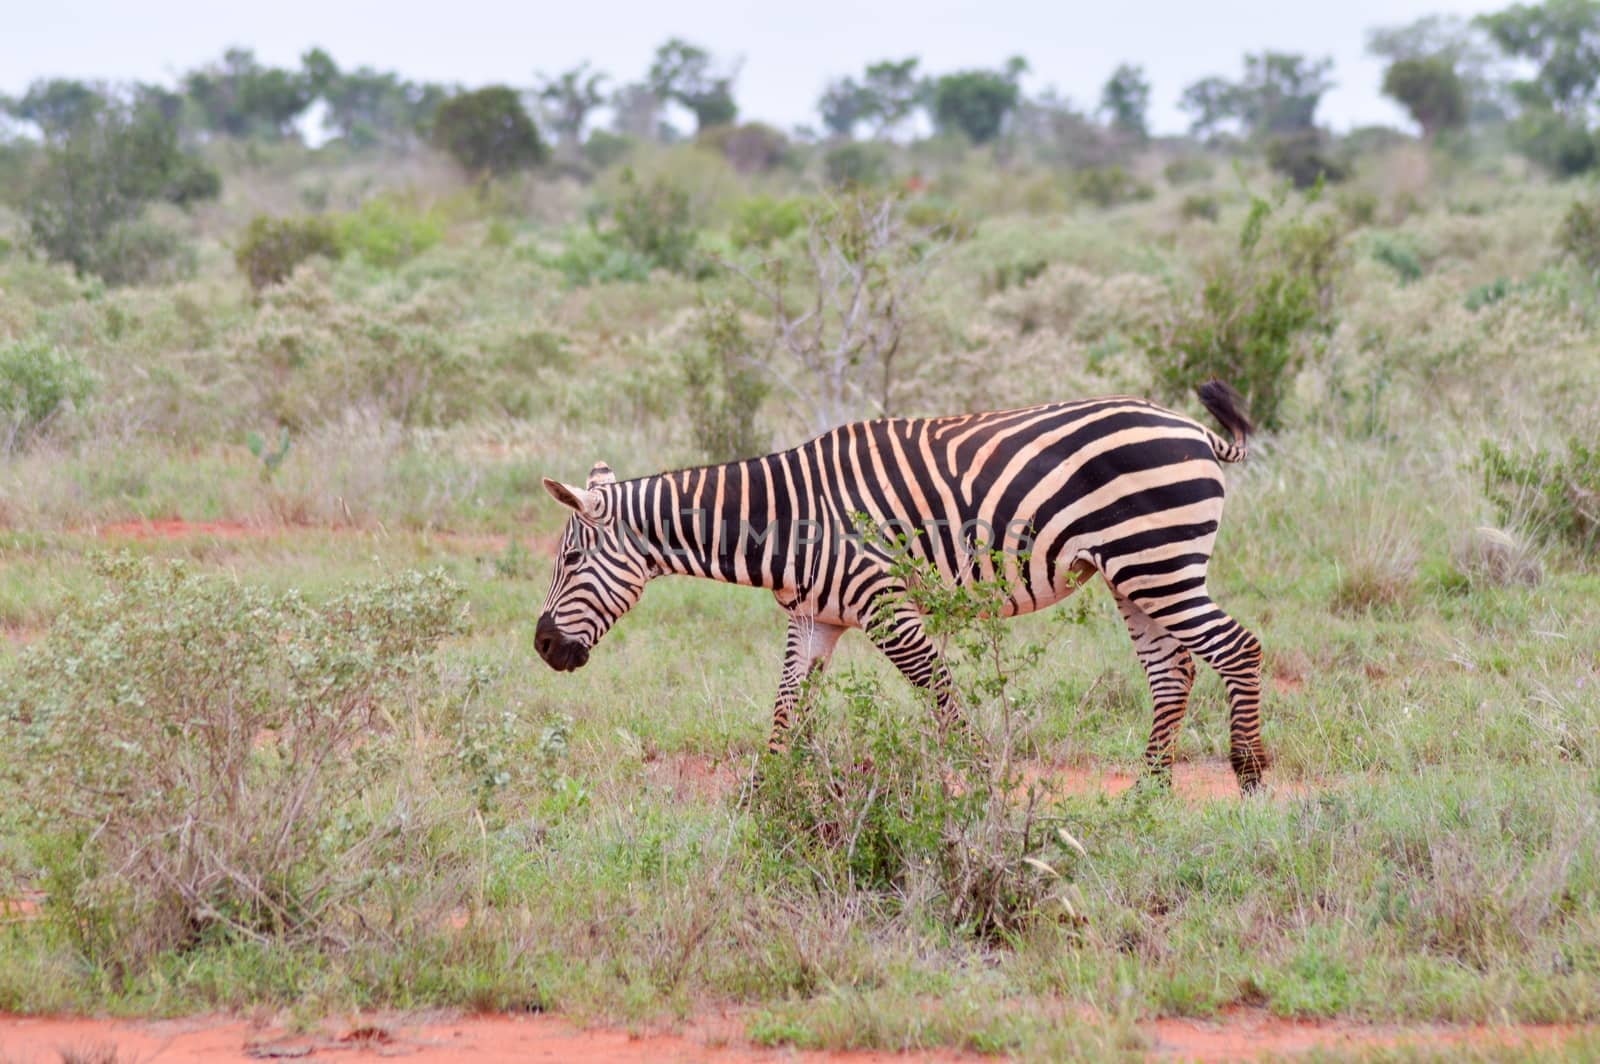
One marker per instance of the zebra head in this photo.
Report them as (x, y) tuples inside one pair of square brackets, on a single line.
[(600, 572)]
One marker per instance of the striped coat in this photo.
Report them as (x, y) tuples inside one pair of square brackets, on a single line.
[(1041, 498)]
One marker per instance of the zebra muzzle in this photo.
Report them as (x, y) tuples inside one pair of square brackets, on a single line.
[(558, 651)]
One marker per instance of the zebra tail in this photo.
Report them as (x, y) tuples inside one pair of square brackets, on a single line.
[(1227, 406)]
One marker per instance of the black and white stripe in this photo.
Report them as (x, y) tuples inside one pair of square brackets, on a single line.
[(1115, 485)]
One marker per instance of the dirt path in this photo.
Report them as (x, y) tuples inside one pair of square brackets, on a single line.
[(1239, 1035)]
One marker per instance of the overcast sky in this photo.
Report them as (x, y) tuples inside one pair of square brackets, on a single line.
[(789, 50)]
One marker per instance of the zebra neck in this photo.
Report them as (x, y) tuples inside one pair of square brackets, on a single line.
[(701, 522)]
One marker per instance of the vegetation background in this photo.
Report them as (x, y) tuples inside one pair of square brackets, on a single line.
[(299, 751)]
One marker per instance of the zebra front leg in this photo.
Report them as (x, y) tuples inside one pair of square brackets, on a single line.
[(806, 650)]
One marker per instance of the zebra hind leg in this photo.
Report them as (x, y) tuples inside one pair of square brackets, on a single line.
[(1235, 653), (1170, 669)]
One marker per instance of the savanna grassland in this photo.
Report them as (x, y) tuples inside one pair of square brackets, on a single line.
[(305, 756)]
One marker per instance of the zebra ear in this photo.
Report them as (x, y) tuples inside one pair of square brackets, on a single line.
[(601, 474), (577, 499)]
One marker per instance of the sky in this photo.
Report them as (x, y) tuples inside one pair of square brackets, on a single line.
[(788, 52)]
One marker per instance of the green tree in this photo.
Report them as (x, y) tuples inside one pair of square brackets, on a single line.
[(58, 105), (1278, 95), (843, 106), (571, 97), (97, 179), (893, 91), (488, 132), (1462, 45), (1125, 101), (685, 72), (1430, 91), (1562, 39), (368, 106), (242, 98), (976, 102)]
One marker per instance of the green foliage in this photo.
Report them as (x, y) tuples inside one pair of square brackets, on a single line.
[(976, 102), (1125, 101), (271, 247), (1561, 144), (1278, 95), (1256, 311), (1303, 158), (750, 148), (488, 132), (1108, 186), (761, 221), (240, 97), (1430, 90), (726, 385), (271, 458), (1187, 169), (1579, 234), (37, 380), (1487, 295), (217, 752), (367, 106), (94, 184), (856, 164), (1562, 38), (686, 73), (386, 231), (652, 221), (1400, 255), (1554, 497), (604, 149), (868, 803), (1200, 206)]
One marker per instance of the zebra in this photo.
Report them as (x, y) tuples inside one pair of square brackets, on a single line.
[(1114, 485)]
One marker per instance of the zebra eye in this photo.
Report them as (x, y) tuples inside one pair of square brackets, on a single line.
[(571, 558)]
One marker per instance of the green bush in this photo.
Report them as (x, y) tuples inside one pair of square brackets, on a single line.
[(206, 760), (488, 132), (37, 381), (1555, 498), (271, 248), (1200, 206), (761, 221), (750, 148), (1256, 311), (1563, 146), (856, 163), (1303, 158), (1188, 169), (1107, 186), (1399, 255), (386, 231), (869, 803), (652, 220), (726, 385), (1487, 295), (1579, 235), (604, 148), (86, 204), (586, 258)]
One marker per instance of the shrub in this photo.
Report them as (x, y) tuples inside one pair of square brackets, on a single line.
[(868, 803), (726, 385), (1107, 186), (856, 163), (751, 148), (488, 132), (1255, 311), (588, 258), (1579, 235), (207, 757), (272, 247), (1557, 499), (761, 221), (95, 182), (1487, 295), (1200, 206), (653, 221), (36, 382), (1188, 169), (1303, 159), (1399, 255), (386, 231), (603, 148), (1562, 146)]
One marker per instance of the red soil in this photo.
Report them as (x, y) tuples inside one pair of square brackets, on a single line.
[(177, 528), (1240, 1034)]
